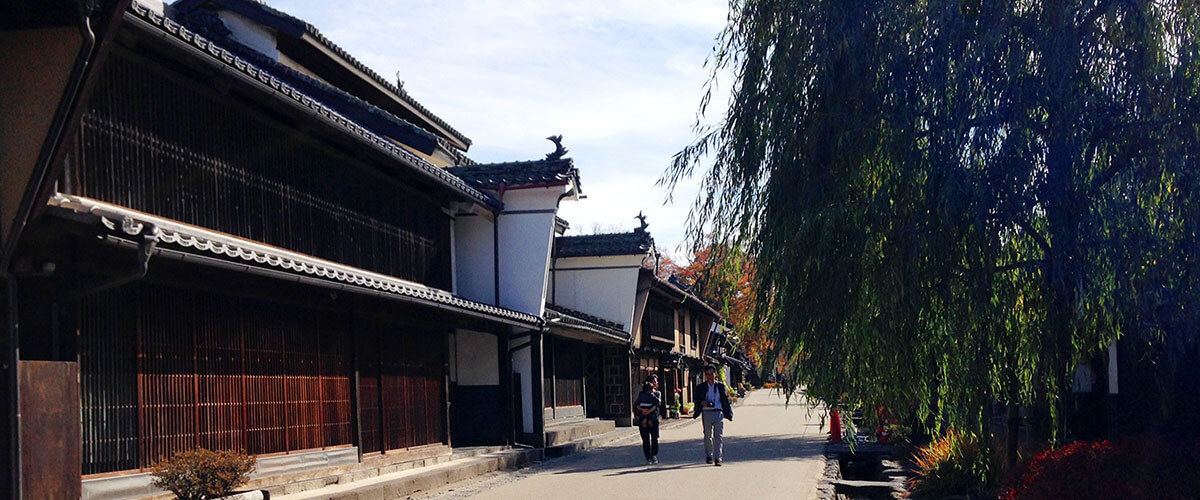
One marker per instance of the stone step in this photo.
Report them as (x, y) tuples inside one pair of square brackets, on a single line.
[(871, 489), (362, 473), (402, 483), (560, 433), (586, 443), (612, 436)]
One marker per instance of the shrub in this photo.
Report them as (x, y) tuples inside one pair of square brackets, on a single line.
[(201, 474), (1143, 467), (953, 464), (899, 435)]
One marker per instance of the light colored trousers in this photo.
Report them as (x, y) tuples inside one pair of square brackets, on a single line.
[(714, 426)]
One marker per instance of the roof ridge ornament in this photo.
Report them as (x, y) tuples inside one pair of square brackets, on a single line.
[(559, 150), (642, 219)]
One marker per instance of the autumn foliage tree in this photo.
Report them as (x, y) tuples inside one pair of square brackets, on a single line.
[(724, 277)]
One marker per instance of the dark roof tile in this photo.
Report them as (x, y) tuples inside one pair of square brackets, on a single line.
[(517, 173), (573, 318), (205, 23), (295, 27), (205, 48), (636, 242)]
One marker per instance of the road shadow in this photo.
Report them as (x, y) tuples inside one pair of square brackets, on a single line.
[(678, 455), (656, 468)]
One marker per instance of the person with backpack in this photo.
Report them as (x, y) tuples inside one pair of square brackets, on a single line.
[(647, 412)]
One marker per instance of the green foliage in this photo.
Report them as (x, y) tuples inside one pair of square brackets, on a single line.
[(950, 202), (200, 474)]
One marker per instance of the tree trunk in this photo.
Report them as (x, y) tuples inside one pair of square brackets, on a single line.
[(1061, 67)]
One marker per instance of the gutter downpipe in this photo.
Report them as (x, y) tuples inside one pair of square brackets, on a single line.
[(146, 245), (11, 362)]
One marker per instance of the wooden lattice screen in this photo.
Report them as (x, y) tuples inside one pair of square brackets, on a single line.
[(563, 369), (568, 371), (157, 143), (401, 386), (165, 369)]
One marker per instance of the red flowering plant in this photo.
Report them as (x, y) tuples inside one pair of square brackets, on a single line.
[(1145, 467)]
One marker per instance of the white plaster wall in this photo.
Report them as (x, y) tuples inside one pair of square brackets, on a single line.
[(250, 33), (526, 229), (477, 361), (474, 260), (605, 287)]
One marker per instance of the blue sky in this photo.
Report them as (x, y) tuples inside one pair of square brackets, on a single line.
[(621, 80)]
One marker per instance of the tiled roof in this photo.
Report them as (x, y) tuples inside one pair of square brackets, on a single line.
[(586, 317), (517, 173), (689, 298), (295, 27), (206, 23), (575, 319), (124, 222), (636, 242), (272, 83)]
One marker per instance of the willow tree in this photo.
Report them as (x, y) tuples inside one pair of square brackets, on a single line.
[(952, 202)]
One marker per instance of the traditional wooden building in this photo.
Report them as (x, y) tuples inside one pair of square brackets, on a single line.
[(611, 277), (231, 234), (246, 243), (595, 278), (674, 336)]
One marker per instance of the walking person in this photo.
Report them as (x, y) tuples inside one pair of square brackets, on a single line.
[(712, 401), (647, 405)]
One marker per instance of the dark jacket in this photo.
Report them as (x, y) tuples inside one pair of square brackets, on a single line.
[(650, 399), (700, 393)]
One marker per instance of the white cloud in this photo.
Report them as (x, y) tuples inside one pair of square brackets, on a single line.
[(621, 80)]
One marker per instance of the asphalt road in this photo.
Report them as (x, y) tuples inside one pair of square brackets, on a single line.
[(771, 451)]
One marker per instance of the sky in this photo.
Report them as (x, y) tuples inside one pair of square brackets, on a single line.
[(620, 80)]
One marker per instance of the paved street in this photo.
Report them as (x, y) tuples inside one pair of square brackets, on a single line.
[(770, 452)]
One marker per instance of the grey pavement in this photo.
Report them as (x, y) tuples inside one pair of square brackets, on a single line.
[(770, 452)]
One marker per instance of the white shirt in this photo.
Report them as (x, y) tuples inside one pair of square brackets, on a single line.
[(713, 397)]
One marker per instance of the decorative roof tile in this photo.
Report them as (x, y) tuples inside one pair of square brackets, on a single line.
[(295, 27), (205, 48), (585, 317), (636, 242), (574, 319), (126, 222), (517, 173)]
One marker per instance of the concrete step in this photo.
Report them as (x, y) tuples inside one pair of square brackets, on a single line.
[(585, 443), (612, 436), (361, 473), (559, 433), (402, 483)]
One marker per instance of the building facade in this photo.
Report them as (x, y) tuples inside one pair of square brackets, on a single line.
[(231, 234)]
